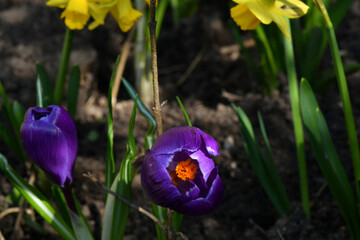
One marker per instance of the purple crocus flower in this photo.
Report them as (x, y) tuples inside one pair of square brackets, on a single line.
[(178, 172), (50, 139)]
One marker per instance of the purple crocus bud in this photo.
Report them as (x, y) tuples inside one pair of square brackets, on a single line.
[(50, 139), (178, 172)]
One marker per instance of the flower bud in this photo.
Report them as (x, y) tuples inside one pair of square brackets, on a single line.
[(49, 137), (178, 172)]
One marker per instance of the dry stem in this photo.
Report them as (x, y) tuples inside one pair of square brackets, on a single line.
[(157, 107), (120, 69)]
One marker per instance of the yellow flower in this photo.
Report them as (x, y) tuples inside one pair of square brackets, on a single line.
[(148, 2), (249, 13), (78, 12), (125, 15)]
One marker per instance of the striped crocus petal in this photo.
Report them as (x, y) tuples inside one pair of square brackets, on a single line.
[(49, 137)]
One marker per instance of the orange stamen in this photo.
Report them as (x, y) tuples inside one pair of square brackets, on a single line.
[(185, 170)]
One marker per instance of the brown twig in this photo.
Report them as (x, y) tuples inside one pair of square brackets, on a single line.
[(121, 67), (1, 236), (157, 108), (192, 66)]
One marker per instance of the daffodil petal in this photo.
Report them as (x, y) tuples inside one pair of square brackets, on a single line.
[(57, 3), (241, 1), (76, 14), (282, 24), (98, 12), (262, 12), (244, 17), (291, 8), (125, 15)]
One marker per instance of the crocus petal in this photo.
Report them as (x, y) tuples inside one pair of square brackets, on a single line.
[(211, 145), (178, 139), (49, 137), (206, 164), (206, 205), (76, 14), (188, 190), (125, 15), (178, 172), (157, 183), (244, 17), (291, 8)]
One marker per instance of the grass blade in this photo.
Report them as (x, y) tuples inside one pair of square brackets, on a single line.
[(149, 137), (298, 127), (264, 167), (110, 162), (328, 159), (116, 212), (43, 87), (158, 211), (37, 201), (186, 116)]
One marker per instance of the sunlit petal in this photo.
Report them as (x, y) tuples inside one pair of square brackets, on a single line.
[(244, 17), (76, 14), (125, 15)]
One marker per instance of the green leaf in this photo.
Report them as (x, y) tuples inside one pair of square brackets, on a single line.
[(328, 158), (74, 83), (186, 116), (158, 211), (7, 109), (9, 138), (264, 167), (19, 112), (149, 137), (43, 87), (61, 202), (37, 201), (110, 162), (338, 10), (79, 223), (271, 166), (116, 212)]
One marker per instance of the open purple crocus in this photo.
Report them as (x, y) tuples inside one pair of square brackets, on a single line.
[(178, 172), (50, 139)]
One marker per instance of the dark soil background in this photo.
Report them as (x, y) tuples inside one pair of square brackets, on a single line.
[(30, 32)]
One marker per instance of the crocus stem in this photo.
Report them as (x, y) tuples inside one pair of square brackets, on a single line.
[(65, 55), (344, 92), (298, 128), (157, 106), (67, 190)]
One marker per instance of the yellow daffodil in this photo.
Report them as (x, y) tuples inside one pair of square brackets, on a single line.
[(249, 13), (148, 2), (78, 12), (125, 15)]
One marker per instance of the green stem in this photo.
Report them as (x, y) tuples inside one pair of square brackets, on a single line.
[(65, 55), (269, 53), (345, 97), (298, 128)]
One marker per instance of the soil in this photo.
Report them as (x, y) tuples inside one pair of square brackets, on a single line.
[(30, 32)]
